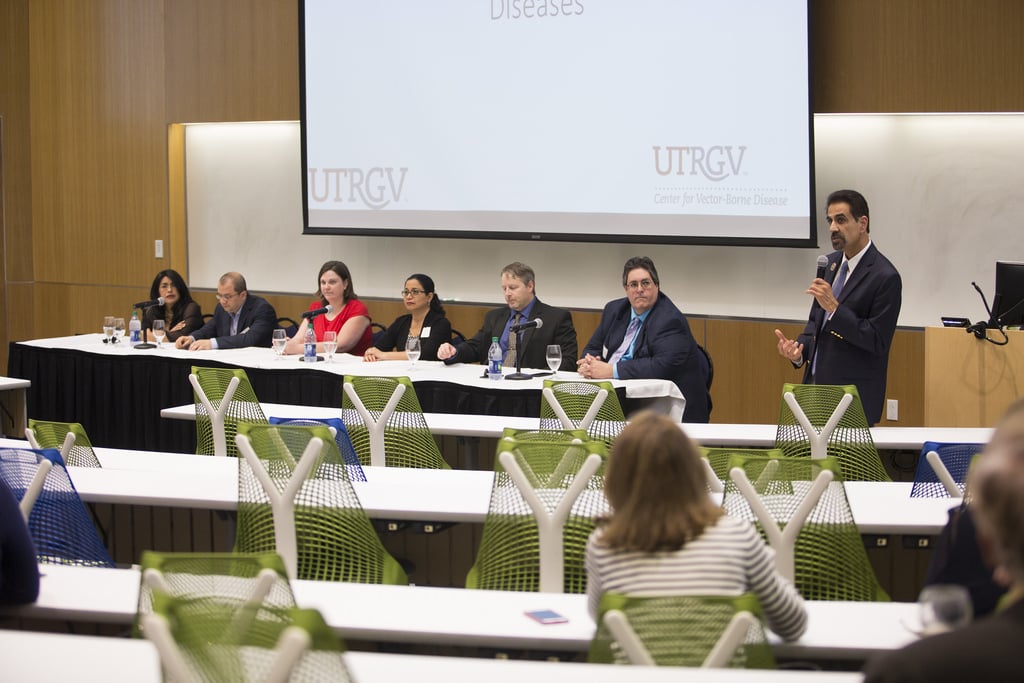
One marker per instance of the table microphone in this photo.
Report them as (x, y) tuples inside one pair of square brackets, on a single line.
[(536, 322), (309, 315), (159, 301), (822, 265)]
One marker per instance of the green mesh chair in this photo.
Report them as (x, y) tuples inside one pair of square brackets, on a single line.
[(717, 463), (224, 398), (67, 437), (230, 579), (593, 406), (819, 419), (295, 498), (681, 630), (386, 423), (544, 502), (800, 506), (203, 641)]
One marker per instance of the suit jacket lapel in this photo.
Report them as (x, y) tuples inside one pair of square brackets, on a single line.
[(860, 273)]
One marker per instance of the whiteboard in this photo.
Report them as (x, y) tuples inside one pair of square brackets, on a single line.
[(944, 191)]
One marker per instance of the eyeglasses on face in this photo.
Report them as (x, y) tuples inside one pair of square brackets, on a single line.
[(411, 292), (226, 297), (637, 285)]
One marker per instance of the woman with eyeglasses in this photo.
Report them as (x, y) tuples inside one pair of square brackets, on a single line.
[(349, 316), (425, 319), (181, 315)]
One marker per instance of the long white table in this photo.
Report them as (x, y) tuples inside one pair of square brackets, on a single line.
[(467, 618), (87, 659), (197, 481), (720, 434)]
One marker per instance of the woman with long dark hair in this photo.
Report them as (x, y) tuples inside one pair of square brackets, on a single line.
[(181, 315), (425, 319)]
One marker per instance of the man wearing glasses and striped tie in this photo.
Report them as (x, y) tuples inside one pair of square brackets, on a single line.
[(644, 336)]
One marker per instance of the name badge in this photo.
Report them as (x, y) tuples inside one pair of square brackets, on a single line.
[(425, 332)]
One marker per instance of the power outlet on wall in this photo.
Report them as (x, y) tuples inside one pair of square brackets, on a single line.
[(892, 410)]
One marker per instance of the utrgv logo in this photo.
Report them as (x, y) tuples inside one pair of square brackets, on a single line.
[(714, 163), (375, 187)]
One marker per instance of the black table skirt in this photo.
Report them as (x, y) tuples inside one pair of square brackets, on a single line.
[(118, 399)]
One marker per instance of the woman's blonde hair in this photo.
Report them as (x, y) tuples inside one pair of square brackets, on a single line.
[(656, 486)]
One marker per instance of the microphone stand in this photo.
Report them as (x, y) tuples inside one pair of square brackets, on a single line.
[(520, 350), (143, 344)]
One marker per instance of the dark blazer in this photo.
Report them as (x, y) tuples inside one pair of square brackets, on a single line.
[(256, 323), (664, 349), (853, 348), (986, 650), (557, 329), (393, 338)]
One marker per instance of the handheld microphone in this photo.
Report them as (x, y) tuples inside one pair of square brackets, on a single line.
[(536, 322), (309, 315), (159, 301), (822, 265)]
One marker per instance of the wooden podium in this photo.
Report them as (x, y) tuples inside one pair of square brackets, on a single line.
[(969, 382)]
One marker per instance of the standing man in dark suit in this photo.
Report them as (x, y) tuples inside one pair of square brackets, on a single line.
[(855, 309), (240, 319), (644, 336), (517, 284)]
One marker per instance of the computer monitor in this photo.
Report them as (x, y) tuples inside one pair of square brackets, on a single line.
[(1008, 305)]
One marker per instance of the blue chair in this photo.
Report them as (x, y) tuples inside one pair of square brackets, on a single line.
[(58, 522), (348, 453), (942, 469)]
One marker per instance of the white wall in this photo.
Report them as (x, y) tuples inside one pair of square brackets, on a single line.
[(944, 190)]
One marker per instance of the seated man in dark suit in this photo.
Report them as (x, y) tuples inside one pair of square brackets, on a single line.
[(517, 283), (240, 319), (644, 336), (988, 649)]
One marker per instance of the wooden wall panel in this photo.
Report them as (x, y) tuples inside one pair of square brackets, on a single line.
[(232, 60), (99, 183), (15, 170), (889, 56)]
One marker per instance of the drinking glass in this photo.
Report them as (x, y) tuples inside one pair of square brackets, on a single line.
[(280, 340), (412, 348), (554, 358), (944, 607), (118, 330), (159, 332), (108, 329), (330, 344)]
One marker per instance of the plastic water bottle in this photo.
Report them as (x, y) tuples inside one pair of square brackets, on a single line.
[(134, 330), (494, 359), (309, 350)]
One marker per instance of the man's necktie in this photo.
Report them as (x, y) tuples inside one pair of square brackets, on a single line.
[(510, 355), (634, 326), (837, 287)]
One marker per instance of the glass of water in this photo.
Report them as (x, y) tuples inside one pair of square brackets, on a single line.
[(118, 330), (330, 344), (108, 329), (944, 607), (554, 358), (280, 339), (159, 332), (412, 348)]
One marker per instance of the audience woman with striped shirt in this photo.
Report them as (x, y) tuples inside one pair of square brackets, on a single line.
[(666, 537)]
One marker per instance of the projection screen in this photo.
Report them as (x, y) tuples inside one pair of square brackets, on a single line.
[(658, 121)]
